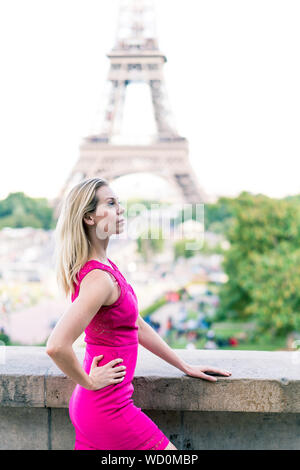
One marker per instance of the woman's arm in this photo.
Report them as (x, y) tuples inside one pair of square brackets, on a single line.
[(150, 340), (95, 289)]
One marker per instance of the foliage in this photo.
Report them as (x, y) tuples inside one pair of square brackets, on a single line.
[(150, 242), (263, 264), (4, 338), (19, 210), (207, 249), (273, 283), (153, 307), (180, 249), (136, 206), (218, 216)]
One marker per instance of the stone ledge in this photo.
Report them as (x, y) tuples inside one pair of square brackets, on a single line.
[(261, 381)]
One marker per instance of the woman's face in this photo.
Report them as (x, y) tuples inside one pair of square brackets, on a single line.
[(108, 216)]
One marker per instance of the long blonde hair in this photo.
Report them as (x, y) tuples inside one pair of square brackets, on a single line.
[(71, 241)]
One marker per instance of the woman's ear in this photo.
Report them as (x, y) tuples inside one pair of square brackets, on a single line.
[(88, 219)]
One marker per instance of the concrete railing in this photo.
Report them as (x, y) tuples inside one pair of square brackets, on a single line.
[(258, 407)]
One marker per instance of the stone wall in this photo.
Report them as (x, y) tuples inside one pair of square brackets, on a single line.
[(258, 407)]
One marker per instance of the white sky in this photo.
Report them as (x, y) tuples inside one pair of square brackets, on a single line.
[(232, 76)]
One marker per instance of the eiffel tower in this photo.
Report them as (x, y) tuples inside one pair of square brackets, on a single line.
[(136, 58)]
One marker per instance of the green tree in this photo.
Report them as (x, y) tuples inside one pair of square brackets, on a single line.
[(150, 242), (218, 216), (180, 249), (136, 206), (263, 260), (18, 210), (273, 283)]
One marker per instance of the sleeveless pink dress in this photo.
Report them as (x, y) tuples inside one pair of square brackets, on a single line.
[(107, 419)]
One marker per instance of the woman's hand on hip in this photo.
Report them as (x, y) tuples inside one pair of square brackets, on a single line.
[(101, 376)]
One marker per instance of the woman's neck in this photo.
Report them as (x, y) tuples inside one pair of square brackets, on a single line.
[(102, 259)]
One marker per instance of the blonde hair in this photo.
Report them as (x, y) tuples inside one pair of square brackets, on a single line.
[(71, 241)]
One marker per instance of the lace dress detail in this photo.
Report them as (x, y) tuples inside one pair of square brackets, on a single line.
[(152, 440), (100, 329)]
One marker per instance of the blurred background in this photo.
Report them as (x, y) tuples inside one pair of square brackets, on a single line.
[(233, 84)]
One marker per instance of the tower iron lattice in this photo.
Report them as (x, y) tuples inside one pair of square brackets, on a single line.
[(136, 58)]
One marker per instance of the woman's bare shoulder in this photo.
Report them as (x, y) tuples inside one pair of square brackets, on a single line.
[(96, 282)]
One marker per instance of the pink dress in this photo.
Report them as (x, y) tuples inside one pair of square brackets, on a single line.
[(107, 419)]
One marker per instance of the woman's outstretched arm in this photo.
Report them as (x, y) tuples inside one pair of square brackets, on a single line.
[(151, 340)]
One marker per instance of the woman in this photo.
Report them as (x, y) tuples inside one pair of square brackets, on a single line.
[(105, 306)]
